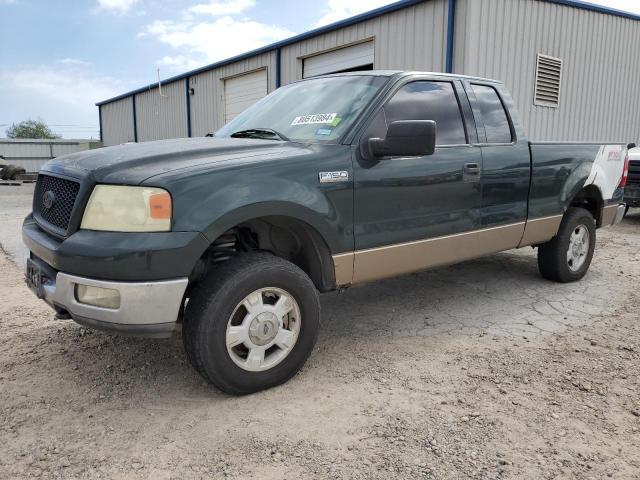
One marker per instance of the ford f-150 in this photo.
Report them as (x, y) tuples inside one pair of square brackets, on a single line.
[(325, 183)]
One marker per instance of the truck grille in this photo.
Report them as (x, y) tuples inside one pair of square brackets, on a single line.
[(634, 172), (54, 199)]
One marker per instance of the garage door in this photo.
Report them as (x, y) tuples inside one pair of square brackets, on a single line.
[(355, 57), (243, 91)]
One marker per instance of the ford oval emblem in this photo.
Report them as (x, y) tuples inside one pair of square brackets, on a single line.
[(48, 199)]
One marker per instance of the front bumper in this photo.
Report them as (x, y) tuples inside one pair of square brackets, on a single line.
[(147, 309), (149, 270)]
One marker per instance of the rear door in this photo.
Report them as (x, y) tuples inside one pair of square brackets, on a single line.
[(409, 199), (506, 159)]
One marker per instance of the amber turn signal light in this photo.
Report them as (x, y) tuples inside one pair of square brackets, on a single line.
[(160, 206)]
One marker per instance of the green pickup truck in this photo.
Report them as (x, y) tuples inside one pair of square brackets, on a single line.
[(325, 183)]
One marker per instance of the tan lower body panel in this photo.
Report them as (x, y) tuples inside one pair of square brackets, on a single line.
[(539, 230), (343, 266), (392, 260)]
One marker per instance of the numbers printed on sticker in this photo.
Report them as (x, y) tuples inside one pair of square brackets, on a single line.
[(314, 119)]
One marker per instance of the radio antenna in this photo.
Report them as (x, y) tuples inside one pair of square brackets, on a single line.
[(160, 84)]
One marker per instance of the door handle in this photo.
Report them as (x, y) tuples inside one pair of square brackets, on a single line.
[(471, 169)]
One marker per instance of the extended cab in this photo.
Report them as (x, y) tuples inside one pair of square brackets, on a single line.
[(323, 184)]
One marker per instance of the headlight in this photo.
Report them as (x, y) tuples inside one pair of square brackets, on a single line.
[(116, 208)]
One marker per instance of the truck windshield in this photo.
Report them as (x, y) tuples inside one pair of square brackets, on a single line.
[(318, 110)]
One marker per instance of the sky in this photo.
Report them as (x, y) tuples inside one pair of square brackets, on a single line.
[(59, 57)]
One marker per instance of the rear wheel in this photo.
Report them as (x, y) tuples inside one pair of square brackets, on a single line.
[(252, 323), (566, 257)]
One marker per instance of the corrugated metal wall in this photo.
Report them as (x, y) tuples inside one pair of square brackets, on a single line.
[(165, 116), (600, 91), (413, 38), (117, 122), (33, 154), (207, 104)]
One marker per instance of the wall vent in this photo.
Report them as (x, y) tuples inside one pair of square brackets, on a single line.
[(548, 78)]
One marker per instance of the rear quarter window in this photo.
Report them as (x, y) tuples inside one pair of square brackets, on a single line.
[(494, 116)]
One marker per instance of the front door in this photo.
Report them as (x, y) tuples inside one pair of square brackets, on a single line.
[(410, 212)]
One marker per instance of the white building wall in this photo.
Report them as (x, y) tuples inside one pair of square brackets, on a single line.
[(600, 91), (499, 39), (165, 116), (117, 122), (32, 154), (413, 38), (207, 101)]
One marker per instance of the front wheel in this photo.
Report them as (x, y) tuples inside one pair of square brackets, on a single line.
[(567, 256), (252, 323)]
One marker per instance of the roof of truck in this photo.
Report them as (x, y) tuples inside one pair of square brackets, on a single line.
[(390, 73)]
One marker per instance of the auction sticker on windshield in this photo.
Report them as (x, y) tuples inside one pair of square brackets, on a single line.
[(314, 119)]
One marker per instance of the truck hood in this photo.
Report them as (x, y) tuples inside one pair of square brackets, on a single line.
[(132, 163)]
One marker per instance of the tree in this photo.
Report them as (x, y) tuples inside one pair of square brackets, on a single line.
[(31, 129)]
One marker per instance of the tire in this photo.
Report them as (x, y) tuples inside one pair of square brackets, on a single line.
[(9, 172), (553, 256), (216, 308)]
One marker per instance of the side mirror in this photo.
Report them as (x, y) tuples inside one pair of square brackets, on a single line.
[(406, 138)]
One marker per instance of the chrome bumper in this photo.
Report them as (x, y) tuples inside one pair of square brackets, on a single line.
[(146, 308), (613, 214), (622, 208)]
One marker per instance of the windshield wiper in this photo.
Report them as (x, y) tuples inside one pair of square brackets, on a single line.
[(265, 133)]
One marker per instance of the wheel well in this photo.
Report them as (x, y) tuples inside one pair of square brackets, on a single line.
[(285, 237), (590, 199)]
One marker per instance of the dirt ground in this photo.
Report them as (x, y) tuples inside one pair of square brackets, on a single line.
[(480, 370)]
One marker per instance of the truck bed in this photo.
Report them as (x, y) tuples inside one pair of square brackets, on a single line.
[(561, 169)]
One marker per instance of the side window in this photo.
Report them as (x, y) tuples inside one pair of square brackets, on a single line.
[(494, 117), (429, 101)]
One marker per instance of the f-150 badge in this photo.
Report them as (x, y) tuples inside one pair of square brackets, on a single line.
[(333, 177)]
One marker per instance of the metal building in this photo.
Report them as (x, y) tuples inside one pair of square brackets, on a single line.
[(572, 67), (31, 154)]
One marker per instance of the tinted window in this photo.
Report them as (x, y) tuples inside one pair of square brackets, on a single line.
[(496, 123), (429, 101)]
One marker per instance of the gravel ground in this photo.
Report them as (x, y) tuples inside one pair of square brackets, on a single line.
[(480, 370)]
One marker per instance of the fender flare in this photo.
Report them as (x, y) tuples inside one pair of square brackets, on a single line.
[(315, 228), (589, 191), (270, 209)]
